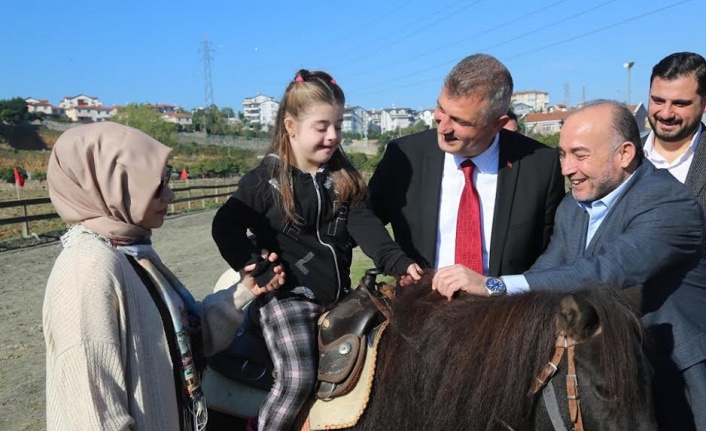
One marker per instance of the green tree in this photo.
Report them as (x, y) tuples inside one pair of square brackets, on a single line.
[(210, 120), (358, 160), (227, 112), (147, 119), (13, 110), (548, 140)]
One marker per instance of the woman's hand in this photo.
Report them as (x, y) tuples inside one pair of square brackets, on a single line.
[(273, 284)]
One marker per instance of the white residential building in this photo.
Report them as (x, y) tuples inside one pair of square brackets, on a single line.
[(374, 120), (165, 109), (521, 109), (538, 100), (355, 120), (80, 100), (427, 117), (178, 118), (396, 118), (260, 110), (93, 114), (43, 107), (545, 123)]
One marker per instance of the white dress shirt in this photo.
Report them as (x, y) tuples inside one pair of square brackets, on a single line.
[(485, 179), (679, 166)]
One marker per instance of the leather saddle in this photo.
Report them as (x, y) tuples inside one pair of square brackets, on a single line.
[(342, 341)]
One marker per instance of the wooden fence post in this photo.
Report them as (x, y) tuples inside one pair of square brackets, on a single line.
[(25, 225)]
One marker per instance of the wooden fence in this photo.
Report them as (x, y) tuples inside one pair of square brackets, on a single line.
[(184, 195)]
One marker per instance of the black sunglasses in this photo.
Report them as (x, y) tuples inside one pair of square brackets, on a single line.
[(164, 182)]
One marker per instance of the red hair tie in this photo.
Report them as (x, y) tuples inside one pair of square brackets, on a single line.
[(298, 79), (333, 81)]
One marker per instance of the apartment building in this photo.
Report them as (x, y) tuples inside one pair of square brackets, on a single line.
[(355, 120), (537, 100), (260, 110), (396, 118)]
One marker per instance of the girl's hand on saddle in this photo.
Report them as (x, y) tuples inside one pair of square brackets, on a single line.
[(414, 274), (249, 273)]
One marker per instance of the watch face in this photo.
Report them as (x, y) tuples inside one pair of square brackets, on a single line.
[(495, 286)]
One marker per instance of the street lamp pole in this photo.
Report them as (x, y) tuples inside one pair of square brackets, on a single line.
[(628, 66)]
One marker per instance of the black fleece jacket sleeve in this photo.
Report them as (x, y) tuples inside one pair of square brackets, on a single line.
[(369, 233), (241, 212)]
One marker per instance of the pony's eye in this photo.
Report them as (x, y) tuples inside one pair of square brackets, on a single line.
[(602, 393)]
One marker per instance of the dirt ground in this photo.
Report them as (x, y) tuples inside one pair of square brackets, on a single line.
[(185, 245)]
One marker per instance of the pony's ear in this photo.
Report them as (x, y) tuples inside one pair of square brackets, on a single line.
[(578, 319), (633, 296)]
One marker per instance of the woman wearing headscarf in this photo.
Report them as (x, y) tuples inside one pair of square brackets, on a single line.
[(125, 339)]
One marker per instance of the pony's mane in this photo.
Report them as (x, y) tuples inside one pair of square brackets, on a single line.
[(434, 348)]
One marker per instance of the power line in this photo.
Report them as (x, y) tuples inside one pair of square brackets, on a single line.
[(386, 86), (425, 25), (544, 27), (598, 30), (466, 39)]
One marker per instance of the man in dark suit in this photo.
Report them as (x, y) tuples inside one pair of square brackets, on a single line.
[(677, 104), (626, 223), (418, 184)]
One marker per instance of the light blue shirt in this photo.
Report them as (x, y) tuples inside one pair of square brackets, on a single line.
[(597, 211)]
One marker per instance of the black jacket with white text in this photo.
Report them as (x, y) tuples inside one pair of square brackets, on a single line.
[(316, 252)]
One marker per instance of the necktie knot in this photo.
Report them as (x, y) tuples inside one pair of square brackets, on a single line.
[(467, 166)]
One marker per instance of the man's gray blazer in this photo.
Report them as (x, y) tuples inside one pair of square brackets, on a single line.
[(652, 236), (696, 177)]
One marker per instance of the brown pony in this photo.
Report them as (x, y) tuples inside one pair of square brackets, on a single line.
[(469, 364)]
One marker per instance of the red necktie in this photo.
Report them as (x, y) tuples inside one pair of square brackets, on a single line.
[(469, 249)]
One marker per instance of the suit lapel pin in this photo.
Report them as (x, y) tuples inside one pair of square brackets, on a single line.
[(509, 164)]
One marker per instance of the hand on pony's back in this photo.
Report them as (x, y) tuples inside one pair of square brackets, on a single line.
[(413, 275)]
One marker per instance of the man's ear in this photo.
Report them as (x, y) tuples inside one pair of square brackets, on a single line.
[(627, 153), (500, 122)]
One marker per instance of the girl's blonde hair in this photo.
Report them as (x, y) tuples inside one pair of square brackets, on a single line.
[(307, 89)]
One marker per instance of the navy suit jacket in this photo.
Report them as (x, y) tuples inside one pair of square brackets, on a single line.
[(406, 189), (652, 236)]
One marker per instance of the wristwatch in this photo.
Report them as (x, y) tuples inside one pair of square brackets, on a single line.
[(495, 286)]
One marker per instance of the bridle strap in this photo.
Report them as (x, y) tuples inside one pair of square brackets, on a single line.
[(550, 368), (572, 387), (572, 392)]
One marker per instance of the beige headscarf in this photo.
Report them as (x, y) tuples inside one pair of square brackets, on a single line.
[(104, 176)]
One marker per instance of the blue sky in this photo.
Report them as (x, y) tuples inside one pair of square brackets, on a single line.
[(380, 52)]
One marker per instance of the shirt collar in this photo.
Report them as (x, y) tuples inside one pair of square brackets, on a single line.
[(652, 154), (609, 199), (487, 161)]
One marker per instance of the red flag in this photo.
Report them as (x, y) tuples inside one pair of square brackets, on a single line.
[(19, 179), (184, 174)]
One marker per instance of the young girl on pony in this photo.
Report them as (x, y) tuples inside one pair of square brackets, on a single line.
[(306, 203)]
